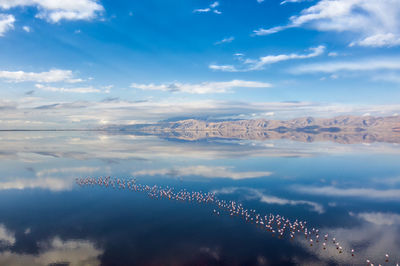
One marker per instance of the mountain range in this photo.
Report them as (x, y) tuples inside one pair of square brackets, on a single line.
[(342, 129)]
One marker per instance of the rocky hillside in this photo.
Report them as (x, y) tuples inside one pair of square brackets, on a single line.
[(343, 129)]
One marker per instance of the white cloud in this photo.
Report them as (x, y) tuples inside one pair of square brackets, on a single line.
[(57, 10), (225, 68), (260, 1), (271, 59), (354, 65), (54, 75), (212, 7), (202, 10), (7, 238), (388, 194), (70, 252), (260, 63), (378, 40), (272, 30), (68, 90), (226, 40), (376, 23), (28, 112), (6, 23), (26, 28), (204, 171), (292, 1), (202, 88), (387, 77), (107, 88)]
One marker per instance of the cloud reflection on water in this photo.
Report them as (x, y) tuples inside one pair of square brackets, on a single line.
[(284, 174), (56, 252), (7, 238), (53, 179), (203, 171), (251, 193), (95, 145), (371, 193), (370, 240), (53, 184), (379, 218)]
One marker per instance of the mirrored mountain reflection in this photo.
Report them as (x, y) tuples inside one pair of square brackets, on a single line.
[(349, 191), (345, 129)]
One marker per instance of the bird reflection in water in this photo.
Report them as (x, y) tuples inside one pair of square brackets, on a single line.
[(276, 224)]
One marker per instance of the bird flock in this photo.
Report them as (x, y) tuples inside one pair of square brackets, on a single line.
[(276, 224)]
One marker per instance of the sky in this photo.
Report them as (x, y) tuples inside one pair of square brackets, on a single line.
[(91, 63)]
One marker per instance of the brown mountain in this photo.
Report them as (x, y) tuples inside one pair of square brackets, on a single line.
[(343, 129)]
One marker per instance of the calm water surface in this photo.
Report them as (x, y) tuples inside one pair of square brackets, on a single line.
[(350, 191)]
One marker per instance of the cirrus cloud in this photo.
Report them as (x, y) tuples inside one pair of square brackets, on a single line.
[(292, 1), (212, 7), (202, 88), (225, 40), (371, 64), (53, 75), (89, 89), (375, 23), (260, 63)]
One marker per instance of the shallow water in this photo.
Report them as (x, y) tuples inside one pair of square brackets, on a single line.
[(349, 191)]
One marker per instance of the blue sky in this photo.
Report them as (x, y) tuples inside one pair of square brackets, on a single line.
[(82, 63)]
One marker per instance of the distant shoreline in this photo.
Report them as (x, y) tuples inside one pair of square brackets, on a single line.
[(8, 130)]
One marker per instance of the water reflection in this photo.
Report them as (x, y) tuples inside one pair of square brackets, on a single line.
[(7, 238), (350, 191), (203, 171), (368, 240), (251, 193), (341, 137), (275, 224), (55, 252), (388, 194)]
